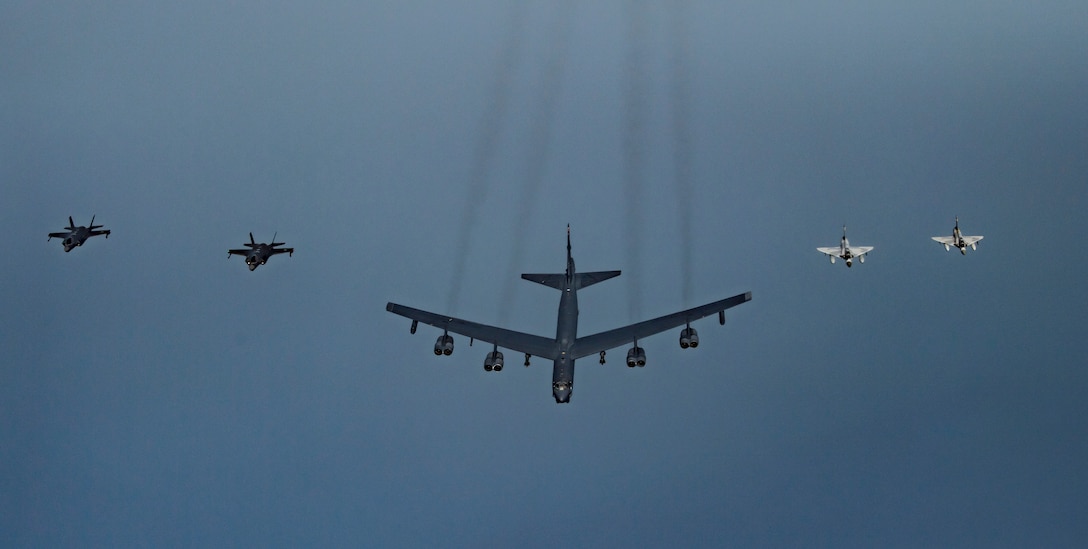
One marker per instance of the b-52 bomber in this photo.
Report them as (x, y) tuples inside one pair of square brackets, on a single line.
[(958, 240), (76, 236), (566, 347), (258, 254), (846, 252)]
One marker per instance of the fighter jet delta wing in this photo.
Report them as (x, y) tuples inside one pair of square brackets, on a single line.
[(524, 343), (593, 344)]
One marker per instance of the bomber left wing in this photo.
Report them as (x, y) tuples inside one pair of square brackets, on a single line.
[(525, 343), (830, 251), (611, 339)]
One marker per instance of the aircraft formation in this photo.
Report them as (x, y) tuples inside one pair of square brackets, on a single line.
[(567, 346), (849, 253)]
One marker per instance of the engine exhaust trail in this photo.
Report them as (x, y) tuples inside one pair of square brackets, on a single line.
[(540, 137), (682, 157), (633, 146), (486, 147)]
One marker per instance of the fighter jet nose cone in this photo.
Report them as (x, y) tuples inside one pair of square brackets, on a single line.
[(252, 266)]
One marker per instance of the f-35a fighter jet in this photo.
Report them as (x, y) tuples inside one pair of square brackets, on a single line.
[(76, 236), (258, 254)]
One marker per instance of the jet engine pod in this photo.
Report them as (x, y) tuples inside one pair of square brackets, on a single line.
[(636, 357), (444, 345), (493, 362), (689, 338)]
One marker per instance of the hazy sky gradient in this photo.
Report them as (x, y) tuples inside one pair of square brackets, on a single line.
[(155, 393)]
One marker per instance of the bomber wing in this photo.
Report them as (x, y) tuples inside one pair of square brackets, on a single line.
[(525, 343), (288, 251), (830, 251), (611, 339), (59, 235), (860, 250), (946, 240), (238, 252), (971, 240)]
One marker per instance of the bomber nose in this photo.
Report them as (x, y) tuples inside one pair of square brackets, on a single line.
[(252, 266), (561, 391)]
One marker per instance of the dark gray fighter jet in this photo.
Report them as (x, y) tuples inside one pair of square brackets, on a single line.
[(566, 347), (258, 254), (76, 236)]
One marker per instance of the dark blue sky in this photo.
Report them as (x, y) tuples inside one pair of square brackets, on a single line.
[(153, 392)]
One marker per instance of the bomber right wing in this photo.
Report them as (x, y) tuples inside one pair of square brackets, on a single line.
[(611, 339), (525, 343), (59, 235), (238, 252)]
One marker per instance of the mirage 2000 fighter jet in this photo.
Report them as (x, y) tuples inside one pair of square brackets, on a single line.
[(958, 240), (846, 251)]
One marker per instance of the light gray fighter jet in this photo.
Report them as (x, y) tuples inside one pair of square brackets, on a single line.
[(566, 347), (258, 254), (846, 251), (76, 236), (958, 240)]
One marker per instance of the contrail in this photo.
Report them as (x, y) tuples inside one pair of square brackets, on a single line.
[(633, 165), (484, 153), (558, 38), (682, 147)]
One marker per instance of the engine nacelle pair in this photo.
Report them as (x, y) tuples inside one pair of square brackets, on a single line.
[(636, 357), (689, 338), (444, 345), (493, 362)]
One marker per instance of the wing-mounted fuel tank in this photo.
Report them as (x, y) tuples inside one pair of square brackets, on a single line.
[(444, 345)]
